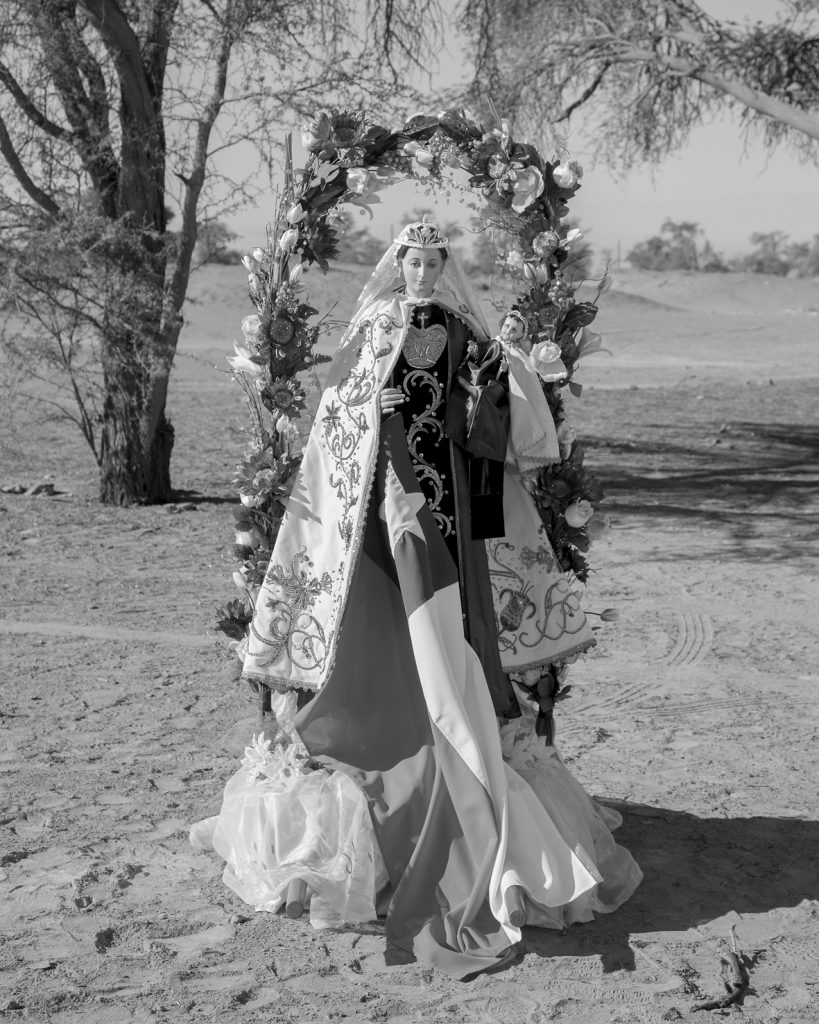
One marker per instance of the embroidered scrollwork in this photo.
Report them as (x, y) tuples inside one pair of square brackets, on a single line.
[(345, 422), (293, 631)]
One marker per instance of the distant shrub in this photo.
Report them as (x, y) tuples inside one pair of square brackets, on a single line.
[(681, 245)]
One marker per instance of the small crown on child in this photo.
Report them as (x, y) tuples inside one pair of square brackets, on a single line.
[(522, 319), (422, 234)]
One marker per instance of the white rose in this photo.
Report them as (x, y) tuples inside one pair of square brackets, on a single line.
[(527, 186), (564, 176), (359, 180), (579, 512), (251, 324), (566, 437)]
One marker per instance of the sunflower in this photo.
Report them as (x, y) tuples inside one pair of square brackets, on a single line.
[(284, 397), (347, 127)]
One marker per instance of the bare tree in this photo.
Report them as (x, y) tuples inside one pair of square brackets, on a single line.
[(646, 71), (110, 110)]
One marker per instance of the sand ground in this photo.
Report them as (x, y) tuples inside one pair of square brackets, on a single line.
[(696, 716)]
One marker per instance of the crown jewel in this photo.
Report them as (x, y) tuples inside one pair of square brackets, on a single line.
[(422, 234)]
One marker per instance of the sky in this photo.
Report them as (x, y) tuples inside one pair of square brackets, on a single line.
[(728, 185)]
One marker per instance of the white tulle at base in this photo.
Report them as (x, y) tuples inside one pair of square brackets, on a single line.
[(280, 822)]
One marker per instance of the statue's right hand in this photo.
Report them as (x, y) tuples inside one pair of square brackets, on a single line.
[(391, 400)]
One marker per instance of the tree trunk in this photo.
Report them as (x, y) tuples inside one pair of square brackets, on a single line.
[(136, 437)]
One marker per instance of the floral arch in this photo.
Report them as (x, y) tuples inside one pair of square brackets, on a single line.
[(350, 157)]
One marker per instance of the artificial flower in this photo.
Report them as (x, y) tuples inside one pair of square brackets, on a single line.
[(359, 180), (259, 255), (288, 240), (565, 176), (578, 513), (497, 165), (280, 330), (251, 538), (527, 186), (316, 134), (296, 213), (250, 325), (243, 362), (411, 148), (240, 580), (347, 127), (284, 397), (547, 362), (424, 158), (536, 272), (566, 435), (514, 260), (572, 236), (545, 243), (296, 273)]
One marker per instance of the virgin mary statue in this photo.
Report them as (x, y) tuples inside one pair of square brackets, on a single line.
[(410, 579)]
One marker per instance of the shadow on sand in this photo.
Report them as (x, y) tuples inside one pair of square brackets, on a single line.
[(759, 487), (695, 870)]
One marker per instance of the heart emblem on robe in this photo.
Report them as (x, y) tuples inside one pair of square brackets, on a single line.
[(423, 345)]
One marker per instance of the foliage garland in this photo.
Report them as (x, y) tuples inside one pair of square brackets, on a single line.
[(350, 158)]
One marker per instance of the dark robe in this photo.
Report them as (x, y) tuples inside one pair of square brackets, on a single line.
[(464, 494)]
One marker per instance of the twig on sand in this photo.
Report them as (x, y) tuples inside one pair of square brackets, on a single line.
[(735, 987)]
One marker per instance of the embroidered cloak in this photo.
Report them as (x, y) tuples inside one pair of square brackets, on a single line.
[(301, 606)]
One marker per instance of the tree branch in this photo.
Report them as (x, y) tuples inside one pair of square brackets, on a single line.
[(123, 45), (41, 198), (177, 286), (32, 112), (755, 99), (585, 95)]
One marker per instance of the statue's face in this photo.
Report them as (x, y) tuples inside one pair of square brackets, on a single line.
[(512, 332), (422, 268)]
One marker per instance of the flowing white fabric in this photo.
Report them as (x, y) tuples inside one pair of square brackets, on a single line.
[(532, 435)]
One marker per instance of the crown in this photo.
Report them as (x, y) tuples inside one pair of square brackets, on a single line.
[(521, 318), (422, 234)]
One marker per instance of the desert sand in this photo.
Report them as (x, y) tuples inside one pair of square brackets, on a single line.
[(696, 715)]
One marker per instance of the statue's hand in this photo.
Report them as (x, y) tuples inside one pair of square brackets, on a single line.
[(391, 400)]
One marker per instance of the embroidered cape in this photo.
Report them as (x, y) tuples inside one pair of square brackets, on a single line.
[(300, 607)]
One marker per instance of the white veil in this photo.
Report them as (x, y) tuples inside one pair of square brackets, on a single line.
[(452, 290)]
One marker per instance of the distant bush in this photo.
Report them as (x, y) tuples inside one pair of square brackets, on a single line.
[(680, 245), (213, 240), (774, 253)]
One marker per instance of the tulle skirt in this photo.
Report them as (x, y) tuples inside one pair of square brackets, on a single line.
[(281, 822)]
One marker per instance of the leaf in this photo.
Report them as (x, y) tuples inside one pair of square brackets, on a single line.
[(420, 123), (590, 341), (575, 388), (579, 316)]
